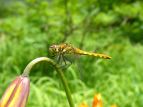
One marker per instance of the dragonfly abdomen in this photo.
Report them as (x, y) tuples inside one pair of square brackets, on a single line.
[(100, 55), (81, 52)]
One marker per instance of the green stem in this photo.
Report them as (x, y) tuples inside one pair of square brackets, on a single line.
[(59, 71)]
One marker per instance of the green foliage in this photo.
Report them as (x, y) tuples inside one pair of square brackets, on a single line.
[(115, 27)]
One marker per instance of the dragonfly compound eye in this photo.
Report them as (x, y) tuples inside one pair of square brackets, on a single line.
[(53, 49)]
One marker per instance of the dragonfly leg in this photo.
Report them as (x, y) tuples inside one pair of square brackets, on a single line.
[(64, 59), (67, 61), (59, 59)]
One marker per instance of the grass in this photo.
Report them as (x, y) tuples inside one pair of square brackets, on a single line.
[(119, 80)]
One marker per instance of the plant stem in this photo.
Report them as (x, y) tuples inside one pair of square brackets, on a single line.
[(59, 71)]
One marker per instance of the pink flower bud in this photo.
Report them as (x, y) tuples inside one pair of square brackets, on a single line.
[(17, 93)]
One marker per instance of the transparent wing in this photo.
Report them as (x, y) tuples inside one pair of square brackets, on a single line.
[(75, 60), (67, 60)]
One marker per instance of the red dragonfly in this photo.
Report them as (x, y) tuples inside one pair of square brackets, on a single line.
[(61, 50)]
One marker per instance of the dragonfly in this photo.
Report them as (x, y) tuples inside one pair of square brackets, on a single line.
[(64, 49)]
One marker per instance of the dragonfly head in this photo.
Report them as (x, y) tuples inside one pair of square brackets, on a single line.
[(54, 49)]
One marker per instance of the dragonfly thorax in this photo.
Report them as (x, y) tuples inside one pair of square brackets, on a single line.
[(61, 49)]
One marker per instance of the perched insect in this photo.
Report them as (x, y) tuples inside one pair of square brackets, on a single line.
[(61, 50)]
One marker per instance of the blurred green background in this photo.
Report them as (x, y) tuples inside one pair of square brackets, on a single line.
[(114, 27)]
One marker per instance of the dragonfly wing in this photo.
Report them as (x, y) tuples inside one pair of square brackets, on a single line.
[(70, 58), (78, 65), (75, 59), (66, 63)]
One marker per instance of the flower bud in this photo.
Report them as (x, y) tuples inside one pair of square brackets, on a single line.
[(97, 102), (16, 94)]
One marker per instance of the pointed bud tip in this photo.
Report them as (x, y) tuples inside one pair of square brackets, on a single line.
[(16, 94)]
